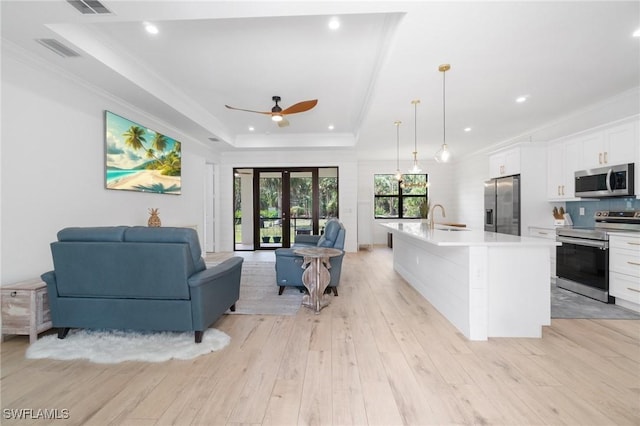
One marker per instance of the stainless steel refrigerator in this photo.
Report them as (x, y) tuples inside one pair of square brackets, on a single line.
[(502, 205)]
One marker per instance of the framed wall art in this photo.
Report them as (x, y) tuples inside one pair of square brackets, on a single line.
[(140, 159)]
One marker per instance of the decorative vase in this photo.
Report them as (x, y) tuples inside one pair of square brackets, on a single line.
[(154, 220)]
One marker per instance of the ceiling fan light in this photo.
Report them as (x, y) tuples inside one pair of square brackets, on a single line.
[(276, 117)]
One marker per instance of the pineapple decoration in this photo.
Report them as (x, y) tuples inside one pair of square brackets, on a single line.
[(154, 219)]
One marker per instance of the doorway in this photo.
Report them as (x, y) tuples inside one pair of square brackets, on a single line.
[(274, 205)]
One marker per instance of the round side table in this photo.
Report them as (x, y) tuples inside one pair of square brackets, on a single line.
[(316, 276)]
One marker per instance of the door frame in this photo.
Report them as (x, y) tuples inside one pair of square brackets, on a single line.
[(285, 202)]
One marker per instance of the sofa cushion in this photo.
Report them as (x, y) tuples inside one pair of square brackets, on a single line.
[(90, 269), (102, 233), (143, 234)]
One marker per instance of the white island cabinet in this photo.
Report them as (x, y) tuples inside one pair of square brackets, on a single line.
[(486, 284)]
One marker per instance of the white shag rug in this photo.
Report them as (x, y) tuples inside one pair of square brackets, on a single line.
[(115, 346)]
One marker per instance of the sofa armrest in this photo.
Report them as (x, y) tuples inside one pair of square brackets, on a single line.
[(213, 291), (307, 240), (206, 276)]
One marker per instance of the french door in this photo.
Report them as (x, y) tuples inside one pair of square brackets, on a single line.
[(286, 202)]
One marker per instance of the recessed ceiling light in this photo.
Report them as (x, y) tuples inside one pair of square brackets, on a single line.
[(467, 129), (151, 29), (636, 33), (334, 24), (251, 128), (521, 99), (331, 127)]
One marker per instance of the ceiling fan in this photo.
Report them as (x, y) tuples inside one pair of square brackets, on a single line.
[(278, 114)]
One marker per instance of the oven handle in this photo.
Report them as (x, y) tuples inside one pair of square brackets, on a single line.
[(582, 242)]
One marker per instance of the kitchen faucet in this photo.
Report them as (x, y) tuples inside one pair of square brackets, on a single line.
[(433, 210)]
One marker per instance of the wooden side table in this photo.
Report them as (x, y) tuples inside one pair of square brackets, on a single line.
[(25, 308), (316, 276)]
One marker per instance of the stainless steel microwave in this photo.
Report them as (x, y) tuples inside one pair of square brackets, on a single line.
[(614, 181)]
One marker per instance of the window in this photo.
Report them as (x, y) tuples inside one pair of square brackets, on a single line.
[(393, 200)]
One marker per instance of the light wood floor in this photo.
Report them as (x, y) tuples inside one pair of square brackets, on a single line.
[(378, 355)]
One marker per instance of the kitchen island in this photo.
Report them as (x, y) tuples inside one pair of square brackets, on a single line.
[(486, 284)]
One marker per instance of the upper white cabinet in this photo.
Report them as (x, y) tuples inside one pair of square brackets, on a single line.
[(504, 163), (562, 161), (609, 147)]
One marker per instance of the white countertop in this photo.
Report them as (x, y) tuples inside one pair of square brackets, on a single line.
[(453, 236)]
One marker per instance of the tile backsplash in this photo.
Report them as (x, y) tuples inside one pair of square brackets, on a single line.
[(590, 207)]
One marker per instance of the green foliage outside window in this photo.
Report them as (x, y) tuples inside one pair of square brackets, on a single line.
[(399, 202)]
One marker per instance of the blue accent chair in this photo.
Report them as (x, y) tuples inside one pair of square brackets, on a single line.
[(289, 265), (137, 278)]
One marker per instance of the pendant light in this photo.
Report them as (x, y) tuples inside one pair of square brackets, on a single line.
[(416, 167), (443, 155), (398, 175)]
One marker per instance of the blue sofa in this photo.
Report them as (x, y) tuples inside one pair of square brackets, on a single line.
[(289, 265), (137, 278)]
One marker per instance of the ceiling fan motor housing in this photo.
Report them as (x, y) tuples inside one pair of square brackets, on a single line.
[(276, 108)]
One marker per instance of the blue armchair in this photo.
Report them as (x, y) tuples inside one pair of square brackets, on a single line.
[(289, 265)]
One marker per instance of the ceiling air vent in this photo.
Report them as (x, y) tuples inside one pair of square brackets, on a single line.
[(89, 7), (57, 47)]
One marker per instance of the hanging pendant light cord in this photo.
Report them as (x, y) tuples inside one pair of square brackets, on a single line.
[(415, 128), (444, 112), (397, 123)]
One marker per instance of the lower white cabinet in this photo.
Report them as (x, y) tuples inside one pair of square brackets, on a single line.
[(624, 270), (549, 234)]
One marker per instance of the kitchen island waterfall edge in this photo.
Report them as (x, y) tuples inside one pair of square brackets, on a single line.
[(485, 284)]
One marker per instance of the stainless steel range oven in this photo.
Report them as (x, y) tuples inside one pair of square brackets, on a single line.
[(582, 261)]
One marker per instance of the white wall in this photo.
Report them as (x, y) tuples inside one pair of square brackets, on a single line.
[(467, 179), (52, 168), (347, 185)]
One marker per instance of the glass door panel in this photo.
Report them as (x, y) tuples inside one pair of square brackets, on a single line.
[(243, 209), (300, 204), (327, 195), (269, 227)]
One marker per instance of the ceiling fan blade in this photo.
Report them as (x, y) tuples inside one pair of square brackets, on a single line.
[(283, 123), (248, 110), (300, 107)]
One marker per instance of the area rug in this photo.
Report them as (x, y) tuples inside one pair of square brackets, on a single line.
[(115, 346), (567, 304), (259, 292)]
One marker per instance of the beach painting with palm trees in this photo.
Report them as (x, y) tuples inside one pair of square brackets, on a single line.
[(140, 159)]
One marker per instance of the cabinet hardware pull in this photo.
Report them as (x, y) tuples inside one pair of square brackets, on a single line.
[(543, 233), (14, 293), (605, 158), (633, 263), (633, 289), (599, 158), (562, 189), (559, 190), (633, 244)]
